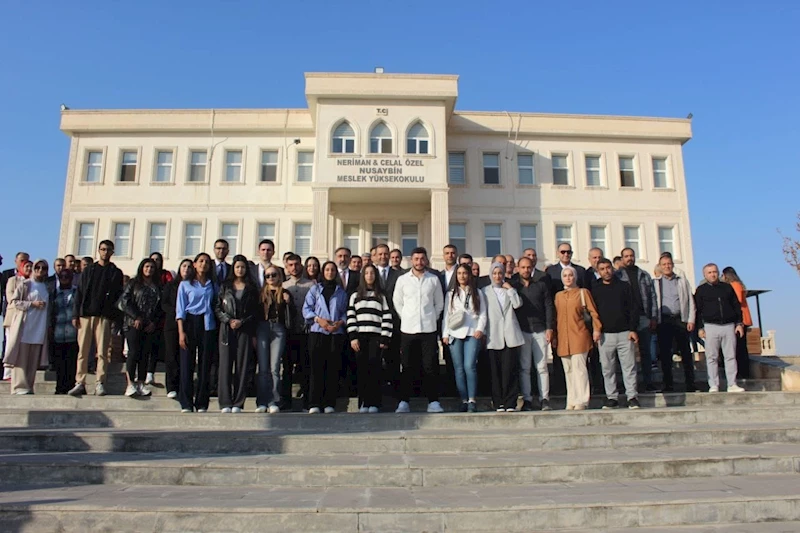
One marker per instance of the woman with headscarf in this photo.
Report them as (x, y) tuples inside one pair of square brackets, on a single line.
[(573, 339), (730, 276), (23, 272), (27, 343), (503, 338)]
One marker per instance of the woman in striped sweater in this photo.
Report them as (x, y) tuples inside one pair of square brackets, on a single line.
[(369, 325)]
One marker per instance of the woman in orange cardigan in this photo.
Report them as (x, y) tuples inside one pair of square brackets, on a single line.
[(573, 339), (730, 276)]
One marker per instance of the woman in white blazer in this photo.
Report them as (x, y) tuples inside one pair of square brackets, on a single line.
[(503, 338), (463, 329)]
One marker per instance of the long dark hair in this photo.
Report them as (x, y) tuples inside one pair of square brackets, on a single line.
[(155, 279), (471, 285), (731, 276), (249, 282), (305, 268), (336, 278), (190, 274), (361, 292), (211, 276), (159, 265)]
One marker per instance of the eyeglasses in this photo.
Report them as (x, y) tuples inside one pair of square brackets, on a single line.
[(562, 252)]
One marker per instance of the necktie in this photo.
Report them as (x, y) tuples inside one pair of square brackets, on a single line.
[(220, 271), (344, 278), (385, 274)]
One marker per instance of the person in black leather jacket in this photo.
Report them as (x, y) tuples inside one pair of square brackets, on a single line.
[(237, 308), (169, 297)]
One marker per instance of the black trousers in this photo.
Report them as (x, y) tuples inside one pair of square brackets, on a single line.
[(369, 369), (142, 347), (200, 344), (214, 362), (234, 361), (505, 377), (295, 361), (671, 328), (415, 349), (391, 362), (742, 356), (325, 356), (558, 380), (66, 362), (171, 358)]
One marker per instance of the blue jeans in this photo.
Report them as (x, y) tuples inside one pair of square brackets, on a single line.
[(270, 343), (465, 363)]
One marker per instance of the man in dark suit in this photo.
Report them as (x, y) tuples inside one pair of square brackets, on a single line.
[(388, 277), (221, 268), (485, 281), (349, 279), (592, 276)]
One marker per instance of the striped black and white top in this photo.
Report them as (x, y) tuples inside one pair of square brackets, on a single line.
[(369, 315)]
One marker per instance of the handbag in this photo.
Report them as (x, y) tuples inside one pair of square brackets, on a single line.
[(587, 316), (456, 319)]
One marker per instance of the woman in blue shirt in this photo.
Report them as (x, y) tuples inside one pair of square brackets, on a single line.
[(325, 309), (196, 324)]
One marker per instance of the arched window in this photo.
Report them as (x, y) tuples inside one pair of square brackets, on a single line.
[(344, 139), (417, 141), (380, 139)]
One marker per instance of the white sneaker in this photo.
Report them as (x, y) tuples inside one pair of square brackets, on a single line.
[(261, 409), (363, 410), (511, 410), (131, 390), (202, 410), (144, 390), (150, 379), (186, 410), (435, 407), (99, 390), (713, 389), (329, 410), (236, 410), (172, 395), (735, 388), (373, 410), (274, 409), (403, 407), (225, 410), (314, 411)]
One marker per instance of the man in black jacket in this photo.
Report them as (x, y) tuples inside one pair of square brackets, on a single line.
[(719, 321), (592, 276), (388, 277), (95, 311)]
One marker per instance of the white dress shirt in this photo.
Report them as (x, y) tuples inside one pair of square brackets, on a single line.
[(418, 302)]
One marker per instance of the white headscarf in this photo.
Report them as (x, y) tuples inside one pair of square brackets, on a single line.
[(574, 273)]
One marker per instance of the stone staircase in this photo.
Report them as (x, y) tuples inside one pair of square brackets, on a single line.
[(685, 462)]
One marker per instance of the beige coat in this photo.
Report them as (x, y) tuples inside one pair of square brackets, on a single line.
[(10, 311), (572, 335), (19, 301)]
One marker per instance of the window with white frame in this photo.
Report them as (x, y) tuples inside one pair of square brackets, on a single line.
[(564, 234), (380, 233), (269, 166), (491, 169), (493, 238), (525, 169), (127, 172), (350, 237), (458, 236), (122, 239), (409, 237), (94, 167), (660, 179), (627, 176), (527, 235), (632, 240), (302, 239), (230, 232), (456, 172), (343, 140), (666, 240), (560, 169), (198, 160), (192, 239), (157, 238), (417, 140), (265, 230), (233, 166), (163, 166), (380, 139), (597, 237), (305, 166), (593, 171), (85, 239)]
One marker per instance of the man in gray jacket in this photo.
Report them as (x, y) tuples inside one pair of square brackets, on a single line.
[(675, 309)]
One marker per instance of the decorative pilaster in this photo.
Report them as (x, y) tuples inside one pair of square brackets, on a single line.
[(319, 223), (440, 221)]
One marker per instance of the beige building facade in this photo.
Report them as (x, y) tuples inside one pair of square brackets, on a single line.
[(374, 158)]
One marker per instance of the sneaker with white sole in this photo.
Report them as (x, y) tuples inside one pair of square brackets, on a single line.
[(314, 411), (172, 395), (713, 389), (131, 390), (236, 410), (261, 409), (329, 410), (735, 388), (511, 409), (435, 407), (78, 390), (186, 410), (373, 410), (225, 410), (144, 390), (202, 410), (363, 410), (150, 379), (274, 409), (99, 390), (403, 407)]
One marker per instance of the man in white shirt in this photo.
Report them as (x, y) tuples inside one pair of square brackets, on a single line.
[(266, 249), (418, 301)]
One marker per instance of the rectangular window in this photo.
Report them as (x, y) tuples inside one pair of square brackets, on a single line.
[(380, 234), (456, 171), (409, 237), (527, 234), (127, 171), (492, 234), (350, 237), (597, 237), (380, 146), (233, 166), (631, 234), (660, 173), (158, 238), (666, 240), (122, 239), (305, 166), (230, 232), (593, 171), (163, 166), (94, 167), (525, 169), (265, 230), (85, 239), (192, 239), (560, 170), (269, 166), (627, 177), (563, 234), (302, 239), (197, 166), (491, 169), (458, 236)]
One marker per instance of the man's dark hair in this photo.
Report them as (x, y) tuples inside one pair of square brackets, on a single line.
[(398, 250), (617, 258), (465, 256), (266, 241), (627, 248), (665, 254), (453, 246), (420, 250), (605, 261), (349, 252), (223, 241), (291, 256), (88, 258), (286, 254), (109, 244)]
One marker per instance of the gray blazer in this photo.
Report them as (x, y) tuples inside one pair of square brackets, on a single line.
[(503, 327)]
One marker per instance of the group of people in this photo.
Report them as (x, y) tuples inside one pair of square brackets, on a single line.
[(224, 328)]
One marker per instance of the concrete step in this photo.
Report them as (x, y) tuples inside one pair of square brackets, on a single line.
[(758, 527), (530, 507), (398, 470)]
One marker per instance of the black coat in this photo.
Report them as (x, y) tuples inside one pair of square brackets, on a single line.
[(554, 273)]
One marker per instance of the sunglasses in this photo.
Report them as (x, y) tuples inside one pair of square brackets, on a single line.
[(270, 276), (565, 252)]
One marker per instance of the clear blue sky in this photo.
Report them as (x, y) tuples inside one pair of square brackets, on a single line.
[(733, 64)]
